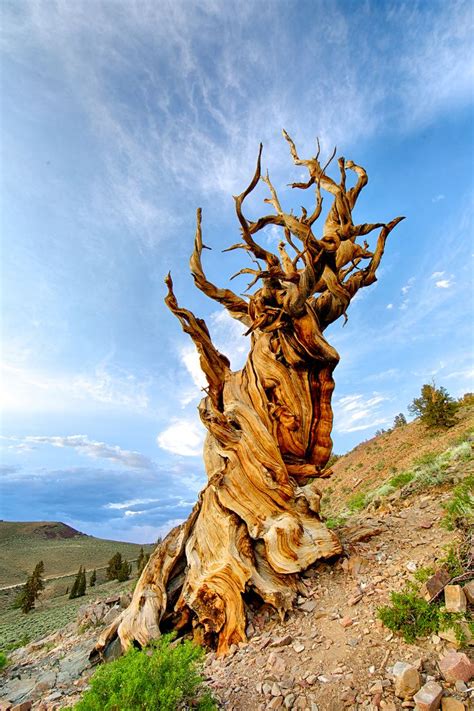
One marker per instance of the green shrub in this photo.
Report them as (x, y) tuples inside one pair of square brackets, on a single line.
[(3, 660), (160, 678), (335, 521), (357, 502), (402, 479), (459, 509), (414, 617), (410, 615)]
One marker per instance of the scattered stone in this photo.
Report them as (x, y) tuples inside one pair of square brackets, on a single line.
[(354, 600), (289, 700), (275, 703), (449, 703), (435, 584), (411, 566), (407, 680), (275, 690), (454, 598), (469, 591), (298, 647), (111, 615), (308, 606), (461, 687), (282, 641), (456, 666), (24, 706), (346, 622), (428, 698)]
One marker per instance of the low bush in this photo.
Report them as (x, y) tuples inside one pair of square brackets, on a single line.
[(401, 479), (160, 678), (414, 617), (459, 509), (3, 660)]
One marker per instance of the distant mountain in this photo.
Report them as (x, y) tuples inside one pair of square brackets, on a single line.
[(62, 549)]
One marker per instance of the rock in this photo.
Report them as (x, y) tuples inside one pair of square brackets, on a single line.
[(275, 690), (18, 690), (454, 598), (449, 703), (469, 591), (461, 687), (289, 701), (91, 615), (275, 703), (354, 600), (346, 622), (72, 666), (111, 615), (24, 706), (5, 705), (113, 600), (45, 682), (298, 647), (308, 606), (411, 566), (435, 584), (428, 698), (456, 666), (407, 680), (282, 641), (450, 636)]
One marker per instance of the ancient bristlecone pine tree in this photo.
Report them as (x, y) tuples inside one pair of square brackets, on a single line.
[(256, 525)]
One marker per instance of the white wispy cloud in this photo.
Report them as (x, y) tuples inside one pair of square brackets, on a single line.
[(359, 412), (408, 286), (444, 284), (184, 437), (438, 198), (27, 389), (119, 505), (96, 450)]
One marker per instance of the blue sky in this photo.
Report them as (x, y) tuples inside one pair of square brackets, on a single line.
[(118, 119)]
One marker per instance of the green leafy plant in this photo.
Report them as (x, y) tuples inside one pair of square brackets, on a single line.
[(162, 677), (357, 502), (459, 509), (400, 480), (409, 614)]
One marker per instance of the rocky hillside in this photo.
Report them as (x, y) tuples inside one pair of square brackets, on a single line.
[(333, 652)]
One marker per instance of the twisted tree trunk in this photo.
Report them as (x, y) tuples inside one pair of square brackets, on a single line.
[(256, 525)]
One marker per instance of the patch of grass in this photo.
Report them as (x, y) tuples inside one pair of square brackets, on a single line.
[(426, 459), (400, 480), (335, 521), (424, 574), (159, 678), (3, 660), (453, 561), (357, 502), (459, 509)]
